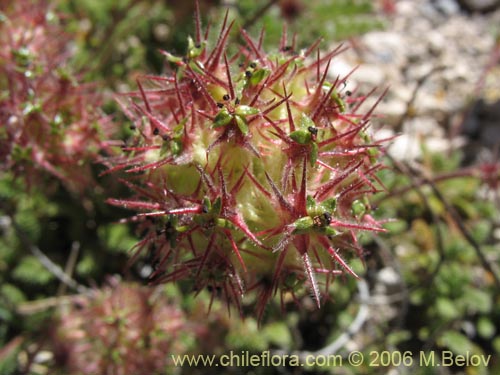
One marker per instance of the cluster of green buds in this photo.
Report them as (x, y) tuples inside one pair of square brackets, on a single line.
[(250, 171)]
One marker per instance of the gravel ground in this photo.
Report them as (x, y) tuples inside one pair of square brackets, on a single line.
[(441, 64)]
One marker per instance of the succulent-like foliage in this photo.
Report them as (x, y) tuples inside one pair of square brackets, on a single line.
[(50, 123), (250, 171), (122, 328)]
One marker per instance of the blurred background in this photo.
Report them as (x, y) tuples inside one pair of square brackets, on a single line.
[(70, 305)]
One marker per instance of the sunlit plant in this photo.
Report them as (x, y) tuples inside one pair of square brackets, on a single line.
[(250, 171), (51, 124)]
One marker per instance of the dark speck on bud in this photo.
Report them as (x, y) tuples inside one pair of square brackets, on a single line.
[(165, 137), (156, 131), (312, 130), (348, 93), (132, 127), (327, 217), (237, 101), (220, 105), (225, 97), (248, 74), (253, 65)]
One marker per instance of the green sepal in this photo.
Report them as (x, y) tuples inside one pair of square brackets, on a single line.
[(329, 205), (358, 208), (173, 59), (242, 124), (310, 205), (258, 76), (338, 100), (216, 206), (301, 136), (222, 118), (314, 153), (245, 110), (329, 231), (303, 225), (194, 51), (306, 122), (223, 223), (207, 205)]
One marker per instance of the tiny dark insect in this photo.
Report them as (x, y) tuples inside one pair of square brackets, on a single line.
[(253, 65), (220, 105), (156, 131), (226, 97), (248, 74)]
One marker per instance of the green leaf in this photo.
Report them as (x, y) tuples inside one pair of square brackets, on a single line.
[(31, 271), (12, 294), (303, 225), (306, 122), (310, 204), (477, 300), (314, 154), (194, 50), (222, 118), (486, 328), (278, 333), (245, 110), (301, 136), (258, 76), (329, 205), (446, 308), (242, 124), (217, 206), (338, 100), (456, 342)]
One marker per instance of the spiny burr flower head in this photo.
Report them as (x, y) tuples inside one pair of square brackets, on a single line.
[(250, 171), (51, 124), (122, 328)]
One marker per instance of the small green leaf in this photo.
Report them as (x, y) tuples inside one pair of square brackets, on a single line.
[(457, 342), (310, 204), (303, 225), (306, 122), (338, 100), (223, 223), (278, 333), (245, 110), (222, 118), (194, 50), (258, 76), (485, 328), (31, 271), (207, 205), (216, 207), (314, 153), (329, 205), (358, 208), (173, 59), (301, 136), (242, 124), (446, 308)]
